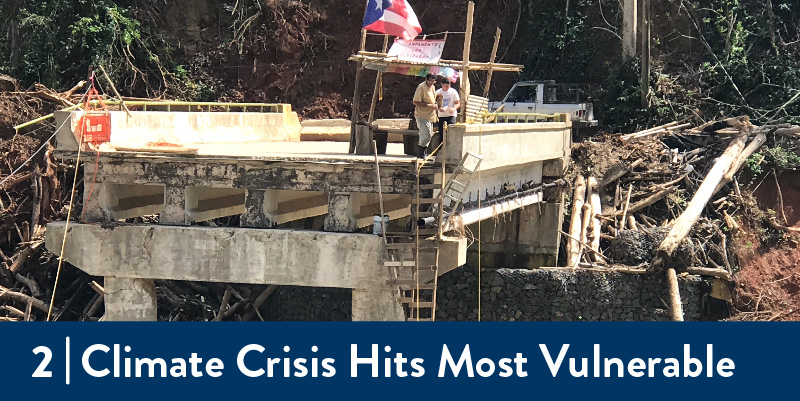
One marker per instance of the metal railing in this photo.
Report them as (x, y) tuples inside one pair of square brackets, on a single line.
[(501, 117), (180, 106), (170, 106)]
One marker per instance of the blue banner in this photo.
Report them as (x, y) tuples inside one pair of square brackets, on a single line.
[(347, 360)]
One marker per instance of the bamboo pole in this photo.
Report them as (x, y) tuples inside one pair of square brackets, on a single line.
[(380, 191), (491, 61), (465, 90), (354, 117), (378, 84), (573, 247)]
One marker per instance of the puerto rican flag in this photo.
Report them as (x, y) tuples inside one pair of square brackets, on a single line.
[(392, 17)]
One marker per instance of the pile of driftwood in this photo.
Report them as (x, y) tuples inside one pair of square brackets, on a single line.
[(678, 229), (31, 195)]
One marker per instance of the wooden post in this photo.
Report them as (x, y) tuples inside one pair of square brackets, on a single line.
[(465, 69), (629, 20), (676, 307), (491, 61), (573, 246), (354, 117), (594, 201), (645, 29), (378, 84)]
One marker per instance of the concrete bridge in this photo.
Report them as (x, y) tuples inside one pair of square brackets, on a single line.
[(256, 165)]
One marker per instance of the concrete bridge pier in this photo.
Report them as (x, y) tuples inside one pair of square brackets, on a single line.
[(130, 257), (130, 299)]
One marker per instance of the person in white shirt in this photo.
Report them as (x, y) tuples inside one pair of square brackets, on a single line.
[(449, 107)]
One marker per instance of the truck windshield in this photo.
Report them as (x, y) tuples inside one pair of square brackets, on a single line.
[(522, 94)]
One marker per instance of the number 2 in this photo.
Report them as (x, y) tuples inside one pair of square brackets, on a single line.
[(40, 371)]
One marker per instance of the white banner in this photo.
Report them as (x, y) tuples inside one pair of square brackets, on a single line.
[(417, 51)]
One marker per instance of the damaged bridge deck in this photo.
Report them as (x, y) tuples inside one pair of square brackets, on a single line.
[(256, 167)]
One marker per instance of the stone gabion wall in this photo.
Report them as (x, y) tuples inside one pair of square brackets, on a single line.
[(513, 294), (289, 303)]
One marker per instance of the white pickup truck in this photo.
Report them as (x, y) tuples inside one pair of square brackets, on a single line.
[(547, 97)]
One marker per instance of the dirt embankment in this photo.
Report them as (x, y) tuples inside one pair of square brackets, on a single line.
[(769, 279)]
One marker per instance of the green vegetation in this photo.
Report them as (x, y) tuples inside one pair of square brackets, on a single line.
[(709, 58)]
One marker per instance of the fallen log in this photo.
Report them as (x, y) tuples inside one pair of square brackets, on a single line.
[(586, 221), (675, 305), (69, 93), (5, 293), (12, 182), (705, 271), (594, 200), (646, 201), (587, 247), (599, 269), (625, 208), (619, 173), (30, 283), (23, 257), (793, 131), (740, 160), (573, 247), (689, 217), (691, 214), (258, 302), (648, 131), (713, 126)]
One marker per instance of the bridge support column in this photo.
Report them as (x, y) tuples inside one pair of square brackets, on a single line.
[(340, 216), (376, 305), (130, 299)]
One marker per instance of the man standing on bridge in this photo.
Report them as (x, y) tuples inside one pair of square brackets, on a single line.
[(449, 107), (425, 111)]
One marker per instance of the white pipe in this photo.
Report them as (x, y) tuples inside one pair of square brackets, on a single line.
[(487, 212)]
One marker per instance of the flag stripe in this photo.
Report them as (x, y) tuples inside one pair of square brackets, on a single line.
[(396, 19)]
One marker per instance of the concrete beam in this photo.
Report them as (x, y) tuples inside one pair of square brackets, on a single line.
[(126, 201), (138, 128), (230, 255), (285, 206), (509, 144), (204, 204), (398, 178), (394, 206), (130, 299)]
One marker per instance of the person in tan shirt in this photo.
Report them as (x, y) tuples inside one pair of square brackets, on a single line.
[(425, 111)]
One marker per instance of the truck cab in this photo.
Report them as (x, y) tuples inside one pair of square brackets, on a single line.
[(547, 97)]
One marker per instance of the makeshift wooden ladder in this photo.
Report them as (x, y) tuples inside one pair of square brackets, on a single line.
[(413, 257)]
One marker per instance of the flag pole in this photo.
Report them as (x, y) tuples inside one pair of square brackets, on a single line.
[(465, 70)]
